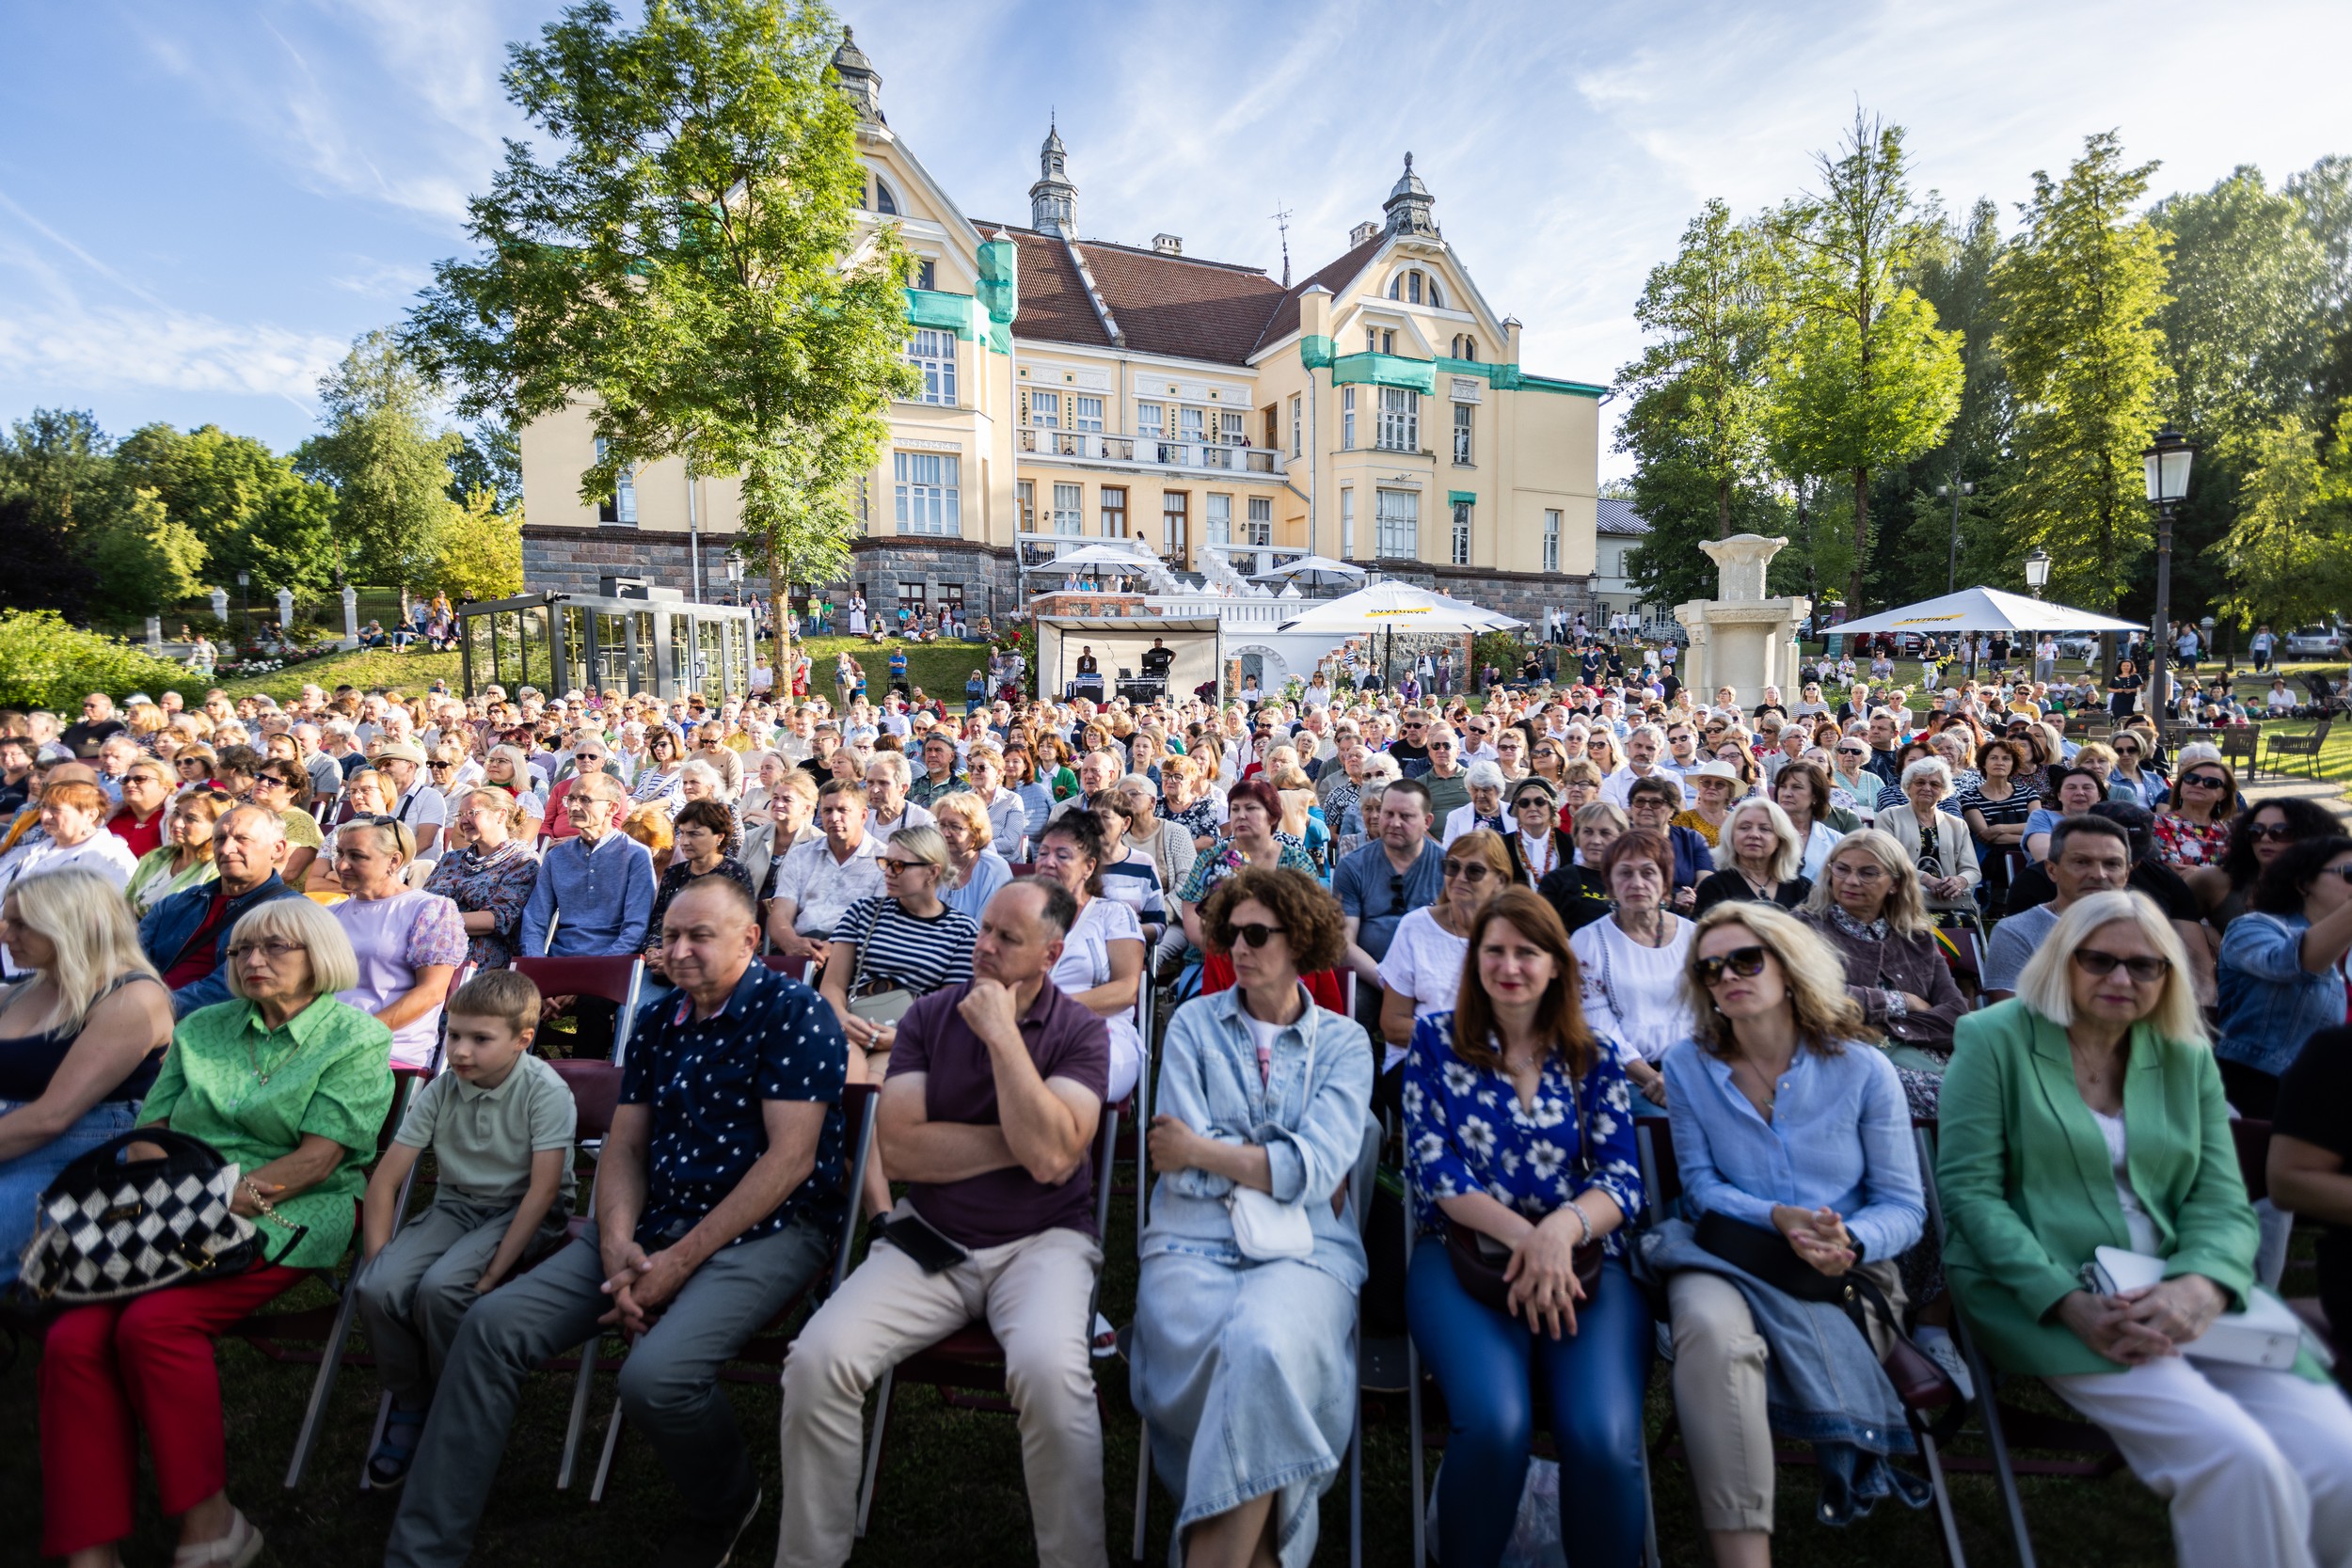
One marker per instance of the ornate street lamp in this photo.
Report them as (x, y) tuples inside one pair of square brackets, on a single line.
[(2167, 464), (244, 607), (735, 576), (2037, 570)]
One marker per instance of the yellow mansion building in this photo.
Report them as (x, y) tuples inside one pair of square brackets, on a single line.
[(1075, 390)]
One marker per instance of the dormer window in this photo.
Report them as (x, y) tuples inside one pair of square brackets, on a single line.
[(1465, 348), (1415, 288)]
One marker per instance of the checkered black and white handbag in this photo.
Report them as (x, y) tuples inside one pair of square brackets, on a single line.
[(111, 1228)]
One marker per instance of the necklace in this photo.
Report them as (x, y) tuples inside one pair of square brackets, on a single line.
[(253, 1060)]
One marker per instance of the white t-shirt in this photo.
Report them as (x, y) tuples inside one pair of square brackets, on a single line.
[(1085, 963), (1634, 993), (1425, 962), (2137, 1224)]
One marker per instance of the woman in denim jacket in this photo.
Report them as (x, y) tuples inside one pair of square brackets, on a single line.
[(1245, 1371), (2281, 969)]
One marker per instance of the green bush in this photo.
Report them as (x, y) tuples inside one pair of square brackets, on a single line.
[(46, 663)]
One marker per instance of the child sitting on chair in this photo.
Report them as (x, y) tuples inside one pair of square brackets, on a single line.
[(499, 1125)]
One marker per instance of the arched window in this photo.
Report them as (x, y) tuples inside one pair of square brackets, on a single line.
[(1435, 299), (1412, 287), (1465, 348), (884, 201), (1396, 287)]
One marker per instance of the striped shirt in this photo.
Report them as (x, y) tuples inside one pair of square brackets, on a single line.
[(896, 948)]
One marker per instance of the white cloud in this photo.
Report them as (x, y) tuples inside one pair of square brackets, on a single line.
[(110, 348)]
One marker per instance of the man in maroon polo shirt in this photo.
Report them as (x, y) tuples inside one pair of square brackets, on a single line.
[(994, 1091)]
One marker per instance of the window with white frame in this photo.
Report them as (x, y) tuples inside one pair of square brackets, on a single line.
[(1551, 539), (1347, 522), (621, 506), (1220, 520), (1067, 502), (1299, 426), (928, 492), (1400, 420), (1188, 423), (1347, 418), (1261, 520), (1371, 339), (885, 201), (1045, 410), (1462, 412), (1085, 413), (1229, 427), (1461, 532), (1399, 531), (927, 273), (1388, 339), (932, 353), (1151, 418)]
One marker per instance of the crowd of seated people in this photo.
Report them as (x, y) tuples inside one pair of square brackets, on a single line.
[(1481, 944)]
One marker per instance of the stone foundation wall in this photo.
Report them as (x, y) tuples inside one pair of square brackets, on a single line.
[(940, 571), (1522, 595)]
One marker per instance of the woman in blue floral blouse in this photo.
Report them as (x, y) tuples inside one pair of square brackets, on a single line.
[(1520, 1128)]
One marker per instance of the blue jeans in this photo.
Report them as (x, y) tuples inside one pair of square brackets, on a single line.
[(22, 1179), (1593, 1382)]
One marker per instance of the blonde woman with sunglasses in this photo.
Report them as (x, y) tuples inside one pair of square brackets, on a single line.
[(1422, 969)]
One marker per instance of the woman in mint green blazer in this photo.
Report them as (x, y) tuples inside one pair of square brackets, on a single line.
[(2088, 1112)]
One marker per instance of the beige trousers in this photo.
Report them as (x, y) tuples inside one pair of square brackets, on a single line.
[(1034, 1294), (1718, 1394)]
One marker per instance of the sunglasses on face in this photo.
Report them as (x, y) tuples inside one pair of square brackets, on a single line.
[(1255, 934), (1745, 962), (1472, 872), (2205, 781), (2143, 968), (2276, 832)]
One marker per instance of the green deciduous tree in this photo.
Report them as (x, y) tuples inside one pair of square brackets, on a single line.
[(682, 266), (2289, 555), (1868, 379), (145, 560), (386, 459), (2080, 289), (481, 555), (244, 503), (2243, 330)]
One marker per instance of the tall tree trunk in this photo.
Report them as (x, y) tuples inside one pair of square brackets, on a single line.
[(780, 607), (1723, 507), (1861, 538)]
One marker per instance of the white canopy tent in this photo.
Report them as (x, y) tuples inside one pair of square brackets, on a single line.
[(1092, 558), (1981, 610), (1393, 607), (1313, 571)]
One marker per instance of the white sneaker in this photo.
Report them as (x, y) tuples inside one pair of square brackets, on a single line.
[(237, 1550)]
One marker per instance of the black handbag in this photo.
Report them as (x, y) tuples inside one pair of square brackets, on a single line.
[(111, 1228), (1479, 1258)]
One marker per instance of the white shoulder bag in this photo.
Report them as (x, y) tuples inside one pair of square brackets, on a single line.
[(1265, 1228)]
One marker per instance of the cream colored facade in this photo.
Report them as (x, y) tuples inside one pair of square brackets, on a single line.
[(1076, 389)]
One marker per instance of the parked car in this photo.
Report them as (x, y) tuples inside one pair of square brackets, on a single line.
[(2315, 643), (2077, 645)]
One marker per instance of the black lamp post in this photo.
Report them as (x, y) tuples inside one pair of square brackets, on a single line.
[(244, 607), (2167, 463), (2037, 570), (1951, 568)]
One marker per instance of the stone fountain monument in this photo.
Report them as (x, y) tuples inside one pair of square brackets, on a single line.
[(1739, 638)]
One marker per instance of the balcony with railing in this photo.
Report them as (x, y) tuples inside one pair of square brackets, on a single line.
[(1151, 451)]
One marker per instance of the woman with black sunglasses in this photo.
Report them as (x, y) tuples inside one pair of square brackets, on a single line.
[(1538, 842), (1422, 968), (2258, 835), (2195, 829)]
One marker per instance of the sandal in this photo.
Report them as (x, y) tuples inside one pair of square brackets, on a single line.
[(396, 1450), (236, 1549)]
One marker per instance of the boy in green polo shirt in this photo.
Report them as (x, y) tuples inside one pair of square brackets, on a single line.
[(499, 1125)]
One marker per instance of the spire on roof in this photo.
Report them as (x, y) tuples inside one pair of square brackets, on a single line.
[(1408, 204), (857, 76), (1054, 200)]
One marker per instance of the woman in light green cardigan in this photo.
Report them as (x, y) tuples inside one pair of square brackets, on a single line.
[(2088, 1112)]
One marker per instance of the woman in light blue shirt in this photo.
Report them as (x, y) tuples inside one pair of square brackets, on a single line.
[(1794, 1146), (1244, 1367)]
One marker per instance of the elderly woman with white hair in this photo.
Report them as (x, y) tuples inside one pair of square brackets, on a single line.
[(2100, 1066), (1940, 849), (702, 781), (1484, 811), (1759, 858), (408, 943)]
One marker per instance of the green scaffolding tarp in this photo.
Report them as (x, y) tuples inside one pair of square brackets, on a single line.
[(1385, 370), (1461, 497), (1314, 351), (999, 291), (944, 312)]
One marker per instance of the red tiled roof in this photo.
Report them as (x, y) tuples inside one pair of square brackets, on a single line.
[(1178, 305)]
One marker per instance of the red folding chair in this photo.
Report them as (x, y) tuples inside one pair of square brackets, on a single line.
[(618, 978), (967, 1368), (321, 1334), (792, 966), (763, 1353)]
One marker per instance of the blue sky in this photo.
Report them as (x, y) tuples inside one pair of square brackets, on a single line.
[(202, 202)]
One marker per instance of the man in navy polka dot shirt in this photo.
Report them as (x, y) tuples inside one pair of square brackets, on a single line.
[(718, 1196)]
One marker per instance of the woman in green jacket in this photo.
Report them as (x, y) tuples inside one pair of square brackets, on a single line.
[(2088, 1112)]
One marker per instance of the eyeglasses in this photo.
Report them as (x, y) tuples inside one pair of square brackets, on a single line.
[(2142, 968), (1472, 872), (1532, 802), (1745, 962), (1256, 934), (2205, 781), (2276, 832), (271, 948)]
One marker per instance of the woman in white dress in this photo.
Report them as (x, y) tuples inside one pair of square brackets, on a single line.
[(1632, 961), (1423, 970)]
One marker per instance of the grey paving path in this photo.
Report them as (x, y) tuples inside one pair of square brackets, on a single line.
[(2327, 792)]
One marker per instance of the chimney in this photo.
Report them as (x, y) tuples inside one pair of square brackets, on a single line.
[(1168, 244), (1361, 233)]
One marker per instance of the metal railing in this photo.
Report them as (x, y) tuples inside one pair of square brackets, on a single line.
[(1149, 451)]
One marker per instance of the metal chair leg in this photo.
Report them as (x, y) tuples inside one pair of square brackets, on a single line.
[(604, 1460), (323, 1387), (578, 1424), (1355, 1489), (1143, 1485), (1947, 1521), (375, 1439), (1419, 1496), (874, 1452)]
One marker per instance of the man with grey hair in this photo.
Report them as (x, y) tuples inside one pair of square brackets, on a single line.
[(888, 809), (185, 936), (1642, 747), (1099, 773)]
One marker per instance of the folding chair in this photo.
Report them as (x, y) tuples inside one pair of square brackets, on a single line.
[(1654, 1136), (618, 978), (768, 1349), (325, 1327), (970, 1362), (596, 1097), (791, 966)]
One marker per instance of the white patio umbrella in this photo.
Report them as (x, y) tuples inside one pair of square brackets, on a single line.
[(1093, 557), (1981, 610), (1313, 571), (1393, 606)]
